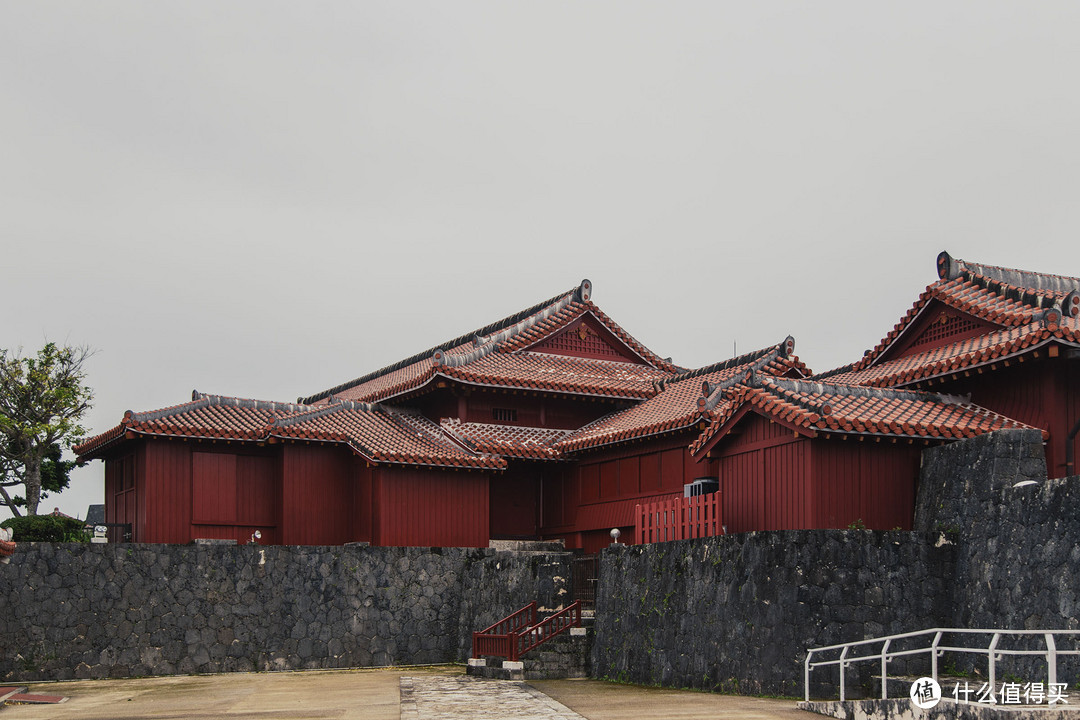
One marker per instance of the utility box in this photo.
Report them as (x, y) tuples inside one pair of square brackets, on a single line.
[(701, 486)]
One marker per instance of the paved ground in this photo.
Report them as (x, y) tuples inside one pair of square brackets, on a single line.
[(442, 693)]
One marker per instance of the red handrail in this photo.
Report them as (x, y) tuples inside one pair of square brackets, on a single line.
[(537, 635), (496, 639), (516, 634)]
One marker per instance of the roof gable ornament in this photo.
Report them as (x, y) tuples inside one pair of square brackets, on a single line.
[(1070, 304), (713, 393)]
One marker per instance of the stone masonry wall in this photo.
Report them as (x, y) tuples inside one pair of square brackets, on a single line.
[(1020, 545), (736, 613), (80, 611)]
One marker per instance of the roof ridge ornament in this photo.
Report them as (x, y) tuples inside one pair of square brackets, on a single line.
[(584, 291), (1026, 282), (712, 393), (1070, 304)]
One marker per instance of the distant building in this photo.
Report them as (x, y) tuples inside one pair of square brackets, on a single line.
[(554, 423)]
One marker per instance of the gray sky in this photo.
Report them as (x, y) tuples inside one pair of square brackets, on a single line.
[(265, 199)]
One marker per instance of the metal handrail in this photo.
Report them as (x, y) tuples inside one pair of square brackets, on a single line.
[(936, 649)]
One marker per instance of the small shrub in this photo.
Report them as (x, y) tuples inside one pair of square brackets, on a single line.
[(47, 528)]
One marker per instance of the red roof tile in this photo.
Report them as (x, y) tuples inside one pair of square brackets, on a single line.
[(378, 433), (506, 440), (973, 352), (471, 358), (557, 373), (815, 408), (1003, 296), (683, 400), (381, 434)]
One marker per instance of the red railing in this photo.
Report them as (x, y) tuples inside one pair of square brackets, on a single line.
[(517, 634), (679, 519), (539, 634), (496, 640)]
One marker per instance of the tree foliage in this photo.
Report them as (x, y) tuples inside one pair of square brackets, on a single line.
[(55, 478), (42, 399)]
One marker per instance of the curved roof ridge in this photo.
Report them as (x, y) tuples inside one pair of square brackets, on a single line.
[(198, 400), (485, 345), (781, 349), (818, 377), (819, 388), (950, 268), (230, 401), (314, 412), (582, 291)]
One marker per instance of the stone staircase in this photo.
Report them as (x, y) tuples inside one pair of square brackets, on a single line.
[(567, 655)]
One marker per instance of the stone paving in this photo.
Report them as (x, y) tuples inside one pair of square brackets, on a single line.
[(467, 698)]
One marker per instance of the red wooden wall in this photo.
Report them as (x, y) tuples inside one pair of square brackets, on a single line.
[(764, 477), (423, 507), (1043, 392), (868, 481), (316, 493), (514, 502), (600, 492)]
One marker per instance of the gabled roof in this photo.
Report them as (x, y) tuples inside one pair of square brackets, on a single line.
[(814, 408), (480, 358), (377, 433), (684, 399), (990, 349), (1001, 296)]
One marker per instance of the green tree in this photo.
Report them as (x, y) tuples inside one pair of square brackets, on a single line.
[(42, 399), (55, 478)]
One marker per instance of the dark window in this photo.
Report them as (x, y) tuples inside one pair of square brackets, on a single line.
[(504, 414)]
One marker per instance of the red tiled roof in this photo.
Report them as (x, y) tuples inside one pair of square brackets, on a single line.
[(381, 434), (571, 313), (683, 400), (558, 373), (206, 416), (973, 352), (378, 433), (1003, 296), (506, 440), (816, 408), (472, 358)]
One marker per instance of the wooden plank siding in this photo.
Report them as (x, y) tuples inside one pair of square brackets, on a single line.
[(764, 478), (869, 482), (1043, 392), (425, 507), (164, 507), (316, 495)]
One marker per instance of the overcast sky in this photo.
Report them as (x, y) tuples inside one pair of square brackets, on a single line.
[(266, 199)]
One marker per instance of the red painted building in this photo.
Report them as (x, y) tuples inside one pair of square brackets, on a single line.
[(555, 423)]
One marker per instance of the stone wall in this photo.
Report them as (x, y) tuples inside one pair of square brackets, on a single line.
[(736, 613), (1020, 545), (77, 611)]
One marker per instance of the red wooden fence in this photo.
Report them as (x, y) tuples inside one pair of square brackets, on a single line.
[(679, 519)]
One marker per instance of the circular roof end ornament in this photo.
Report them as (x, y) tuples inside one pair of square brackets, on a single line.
[(947, 268), (585, 290)]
